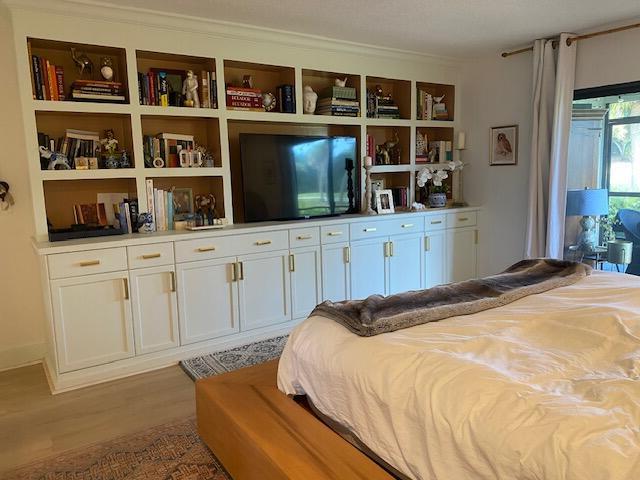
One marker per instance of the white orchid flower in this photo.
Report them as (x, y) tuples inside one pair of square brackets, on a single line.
[(424, 176)]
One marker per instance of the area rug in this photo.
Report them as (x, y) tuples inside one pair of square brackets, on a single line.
[(234, 358), (167, 452)]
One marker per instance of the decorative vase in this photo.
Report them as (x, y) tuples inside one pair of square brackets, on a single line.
[(437, 200), (124, 160), (112, 161)]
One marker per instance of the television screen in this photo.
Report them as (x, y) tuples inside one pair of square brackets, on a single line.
[(288, 176)]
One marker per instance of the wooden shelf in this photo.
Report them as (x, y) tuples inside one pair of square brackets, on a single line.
[(184, 172), (47, 175), (392, 168), (80, 107), (437, 90), (179, 111), (400, 91)]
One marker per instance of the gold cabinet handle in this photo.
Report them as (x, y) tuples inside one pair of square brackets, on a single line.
[(463, 219), (263, 242), (370, 229), (292, 263), (391, 249), (125, 282), (303, 237), (234, 273), (427, 244), (407, 225), (436, 222), (347, 254), (172, 276), (386, 249), (240, 270), (477, 236), (206, 249), (149, 256), (334, 234), (90, 263)]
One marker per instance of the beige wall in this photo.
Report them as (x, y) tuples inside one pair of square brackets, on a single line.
[(21, 311)]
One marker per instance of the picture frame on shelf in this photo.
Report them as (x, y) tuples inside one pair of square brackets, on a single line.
[(182, 202), (503, 145), (384, 201)]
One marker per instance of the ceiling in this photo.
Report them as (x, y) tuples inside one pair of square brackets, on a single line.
[(458, 28)]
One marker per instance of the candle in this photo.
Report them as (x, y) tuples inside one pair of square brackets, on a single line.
[(367, 161), (461, 140)]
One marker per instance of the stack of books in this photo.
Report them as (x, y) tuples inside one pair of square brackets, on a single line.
[(400, 196), (425, 105), (74, 145), (241, 98), (163, 88), (381, 106), (440, 111), (208, 90), (160, 203), (97, 91), (286, 99), (47, 80), (338, 102)]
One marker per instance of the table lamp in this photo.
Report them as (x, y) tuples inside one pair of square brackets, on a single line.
[(587, 203)]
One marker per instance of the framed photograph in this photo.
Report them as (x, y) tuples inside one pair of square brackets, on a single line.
[(504, 145), (384, 201), (182, 202)]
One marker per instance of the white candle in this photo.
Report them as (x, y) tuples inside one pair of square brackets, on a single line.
[(461, 141), (367, 161)]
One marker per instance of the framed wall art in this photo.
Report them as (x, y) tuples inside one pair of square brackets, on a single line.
[(504, 145)]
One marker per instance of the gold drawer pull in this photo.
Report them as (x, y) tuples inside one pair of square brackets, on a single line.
[(334, 234), (126, 288), (407, 225), (173, 280), (427, 244), (347, 254), (371, 229), (303, 237), (463, 219), (292, 263), (240, 270), (234, 272), (436, 222), (206, 249), (263, 242), (149, 256), (90, 263)]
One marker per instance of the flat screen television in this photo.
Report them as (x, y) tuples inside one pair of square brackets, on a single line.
[(288, 177)]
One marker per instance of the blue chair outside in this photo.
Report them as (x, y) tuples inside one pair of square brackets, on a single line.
[(630, 220)]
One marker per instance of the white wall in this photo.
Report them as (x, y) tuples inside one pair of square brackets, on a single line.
[(21, 311)]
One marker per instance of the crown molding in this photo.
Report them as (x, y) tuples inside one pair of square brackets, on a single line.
[(104, 11)]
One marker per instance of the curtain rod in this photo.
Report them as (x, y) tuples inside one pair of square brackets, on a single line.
[(570, 40)]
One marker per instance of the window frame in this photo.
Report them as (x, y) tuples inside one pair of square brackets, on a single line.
[(606, 154)]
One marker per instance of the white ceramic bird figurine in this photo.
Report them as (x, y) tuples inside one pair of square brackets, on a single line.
[(438, 99), (340, 82)]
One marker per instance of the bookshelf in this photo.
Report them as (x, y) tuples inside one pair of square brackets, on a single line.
[(217, 129)]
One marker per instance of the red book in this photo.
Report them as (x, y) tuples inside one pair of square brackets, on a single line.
[(53, 84), (44, 68), (60, 82), (152, 88)]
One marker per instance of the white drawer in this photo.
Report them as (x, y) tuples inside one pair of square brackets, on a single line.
[(75, 264), (464, 219), (370, 229), (301, 237), (153, 255), (406, 226), (435, 222), (261, 242), (334, 233), (204, 249)]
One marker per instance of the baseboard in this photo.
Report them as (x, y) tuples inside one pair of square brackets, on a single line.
[(21, 356)]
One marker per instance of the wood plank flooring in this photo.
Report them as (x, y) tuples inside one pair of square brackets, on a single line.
[(35, 424)]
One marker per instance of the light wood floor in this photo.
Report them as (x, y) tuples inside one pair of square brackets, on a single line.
[(35, 424)]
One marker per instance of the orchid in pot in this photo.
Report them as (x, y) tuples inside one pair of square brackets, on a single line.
[(436, 174)]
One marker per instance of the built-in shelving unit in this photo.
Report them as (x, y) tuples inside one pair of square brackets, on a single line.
[(217, 129)]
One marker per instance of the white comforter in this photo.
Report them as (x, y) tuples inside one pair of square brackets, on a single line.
[(547, 387)]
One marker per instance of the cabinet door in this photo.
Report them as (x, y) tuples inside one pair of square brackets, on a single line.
[(435, 259), (264, 288), (155, 309), (336, 272), (304, 264), (462, 254), (368, 268), (405, 263), (207, 299), (92, 318)]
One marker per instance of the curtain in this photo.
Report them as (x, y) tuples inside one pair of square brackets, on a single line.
[(553, 82)]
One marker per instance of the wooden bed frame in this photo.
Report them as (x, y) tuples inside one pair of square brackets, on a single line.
[(257, 432)]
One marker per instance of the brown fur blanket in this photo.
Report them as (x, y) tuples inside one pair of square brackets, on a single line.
[(378, 314)]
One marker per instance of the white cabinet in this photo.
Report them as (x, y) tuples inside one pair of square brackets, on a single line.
[(435, 258), (405, 264), (207, 299), (92, 320), (368, 268), (155, 308), (336, 271), (462, 254), (264, 289), (304, 264)]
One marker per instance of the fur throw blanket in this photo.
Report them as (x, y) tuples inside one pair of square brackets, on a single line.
[(378, 314)]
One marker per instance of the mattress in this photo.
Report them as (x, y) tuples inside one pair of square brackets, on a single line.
[(547, 387)]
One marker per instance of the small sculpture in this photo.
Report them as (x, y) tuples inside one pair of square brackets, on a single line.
[(421, 144), (340, 82), (110, 147), (438, 99), (393, 148), (106, 68), (55, 159), (124, 160), (247, 81), (269, 101), (382, 155), (83, 62), (206, 206), (190, 90), (310, 99), (145, 223)]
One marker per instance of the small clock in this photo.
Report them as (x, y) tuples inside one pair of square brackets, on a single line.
[(269, 101)]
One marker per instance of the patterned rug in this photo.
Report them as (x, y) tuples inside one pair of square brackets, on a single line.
[(167, 452), (234, 358)]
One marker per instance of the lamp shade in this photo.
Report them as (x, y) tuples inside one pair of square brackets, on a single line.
[(588, 202)]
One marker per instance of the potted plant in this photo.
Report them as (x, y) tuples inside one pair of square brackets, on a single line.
[(430, 177)]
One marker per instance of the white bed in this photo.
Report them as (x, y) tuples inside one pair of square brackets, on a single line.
[(547, 387)]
